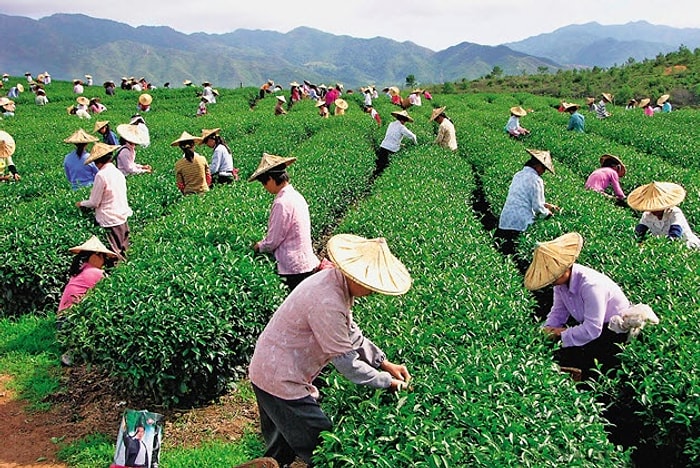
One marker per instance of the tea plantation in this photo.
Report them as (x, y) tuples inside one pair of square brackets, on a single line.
[(177, 322)]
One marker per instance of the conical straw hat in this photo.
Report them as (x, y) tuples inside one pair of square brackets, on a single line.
[(82, 100), (544, 157), (662, 99), (145, 99), (436, 113), (656, 196), (369, 263), (644, 102), (341, 103), (7, 144), (207, 132), (570, 105), (608, 97), (99, 124), (269, 161), (80, 136), (551, 260), (186, 137), (617, 159), (131, 134), (98, 150), (518, 111), (402, 115), (93, 244)]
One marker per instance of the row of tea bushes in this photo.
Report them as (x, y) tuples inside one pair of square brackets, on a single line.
[(484, 391), (179, 320), (655, 396)]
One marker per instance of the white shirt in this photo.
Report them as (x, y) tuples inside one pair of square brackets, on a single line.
[(524, 202), (394, 134), (221, 161), (108, 197), (446, 136), (660, 227)]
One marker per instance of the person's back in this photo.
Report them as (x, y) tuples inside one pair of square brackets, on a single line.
[(192, 174)]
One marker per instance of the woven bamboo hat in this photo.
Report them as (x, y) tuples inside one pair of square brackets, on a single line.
[(437, 112), (656, 196), (207, 132), (100, 124), (370, 263), (268, 162), (7, 144), (402, 115), (184, 136), (608, 97), (93, 244), (551, 260), (82, 100), (570, 105), (518, 111), (590, 100), (644, 102), (281, 98), (187, 83), (4, 100), (607, 157), (544, 157), (394, 90), (80, 136), (341, 103), (20, 88), (98, 150), (662, 99), (145, 99), (320, 103), (131, 134)]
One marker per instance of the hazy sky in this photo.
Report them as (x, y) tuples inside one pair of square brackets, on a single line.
[(436, 24)]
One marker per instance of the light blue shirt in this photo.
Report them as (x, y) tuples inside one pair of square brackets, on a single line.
[(576, 122), (666, 107), (77, 173), (525, 201)]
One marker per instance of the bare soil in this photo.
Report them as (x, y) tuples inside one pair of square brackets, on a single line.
[(88, 405)]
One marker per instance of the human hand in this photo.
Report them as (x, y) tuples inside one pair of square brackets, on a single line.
[(17, 176), (552, 208), (554, 332), (398, 371), (77, 204), (256, 247)]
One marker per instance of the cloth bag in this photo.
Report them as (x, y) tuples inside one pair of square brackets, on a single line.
[(138, 441), (632, 320)]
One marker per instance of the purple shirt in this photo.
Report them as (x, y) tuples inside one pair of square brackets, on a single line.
[(289, 233), (80, 284), (602, 178), (311, 328), (591, 298)]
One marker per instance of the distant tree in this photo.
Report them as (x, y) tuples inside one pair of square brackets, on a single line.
[(542, 69), (410, 81), (497, 71), (630, 61), (448, 88)]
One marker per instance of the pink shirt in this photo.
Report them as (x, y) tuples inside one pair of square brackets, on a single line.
[(108, 197), (79, 284), (602, 178), (289, 233), (126, 160), (311, 328)]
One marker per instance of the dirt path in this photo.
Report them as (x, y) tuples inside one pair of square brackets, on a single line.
[(87, 406)]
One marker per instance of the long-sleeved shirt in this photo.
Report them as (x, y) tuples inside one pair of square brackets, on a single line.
[(600, 110), (289, 233), (126, 161), (513, 125), (208, 93), (221, 161), (591, 298), (604, 177), (525, 201), (77, 173), (672, 224), (576, 122), (446, 136), (79, 285), (108, 197), (110, 138), (313, 327), (394, 134)]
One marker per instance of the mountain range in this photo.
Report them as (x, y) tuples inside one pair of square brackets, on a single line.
[(71, 45)]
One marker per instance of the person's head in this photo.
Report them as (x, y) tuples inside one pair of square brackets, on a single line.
[(608, 160), (186, 143), (656, 197), (607, 97), (540, 161), (438, 114), (272, 172), (402, 116), (518, 111), (368, 265), (92, 252), (80, 138), (80, 149), (552, 261)]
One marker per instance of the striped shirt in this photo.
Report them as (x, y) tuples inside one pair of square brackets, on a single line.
[(192, 175)]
